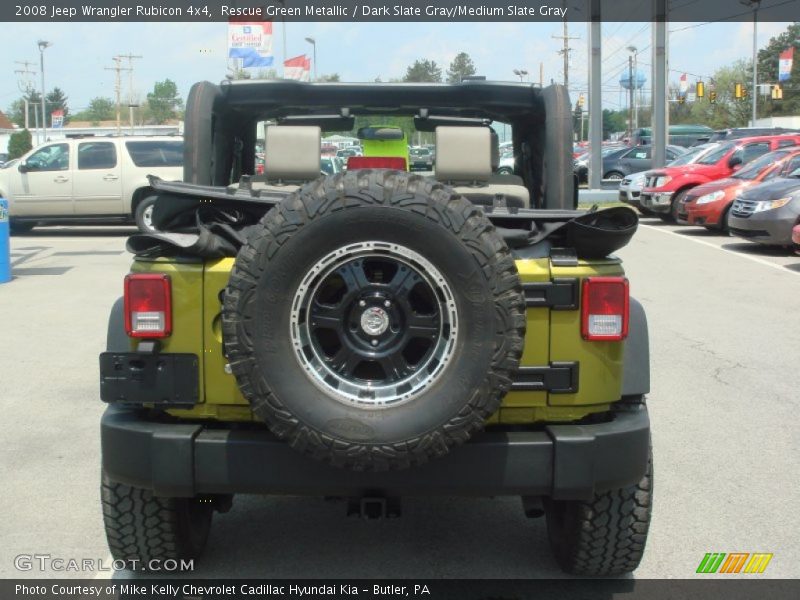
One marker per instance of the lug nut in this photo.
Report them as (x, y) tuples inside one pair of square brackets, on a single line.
[(386, 303), (374, 342), (362, 303)]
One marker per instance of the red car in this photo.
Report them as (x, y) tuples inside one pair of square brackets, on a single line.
[(666, 188), (708, 204)]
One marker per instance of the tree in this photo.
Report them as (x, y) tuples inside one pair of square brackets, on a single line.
[(423, 71), (614, 121), (461, 67), (768, 73), (17, 110), (100, 109), (330, 78), (164, 101), (56, 100), (19, 143), (727, 111)]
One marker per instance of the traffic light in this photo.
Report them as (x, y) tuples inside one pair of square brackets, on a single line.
[(700, 89), (581, 100), (777, 92), (681, 98), (712, 97), (739, 91)]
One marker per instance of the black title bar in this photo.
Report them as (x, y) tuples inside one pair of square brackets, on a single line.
[(545, 11)]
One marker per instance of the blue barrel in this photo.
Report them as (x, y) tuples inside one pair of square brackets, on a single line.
[(5, 246)]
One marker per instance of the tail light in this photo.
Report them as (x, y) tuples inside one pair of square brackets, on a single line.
[(376, 162), (148, 305), (604, 308)]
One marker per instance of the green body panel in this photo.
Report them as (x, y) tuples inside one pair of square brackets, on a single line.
[(390, 148), (551, 336)]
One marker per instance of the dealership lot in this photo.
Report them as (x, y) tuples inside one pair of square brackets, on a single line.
[(724, 348)]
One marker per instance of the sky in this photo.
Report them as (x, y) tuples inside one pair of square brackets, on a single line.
[(190, 52)]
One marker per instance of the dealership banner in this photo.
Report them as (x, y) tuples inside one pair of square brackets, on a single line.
[(57, 119), (250, 42), (298, 68), (785, 64)]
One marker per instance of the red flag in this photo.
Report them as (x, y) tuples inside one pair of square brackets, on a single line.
[(294, 68)]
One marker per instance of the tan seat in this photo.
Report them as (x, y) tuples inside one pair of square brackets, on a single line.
[(291, 157), (464, 158)]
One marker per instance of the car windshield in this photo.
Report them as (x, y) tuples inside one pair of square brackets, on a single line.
[(714, 156), (419, 151), (754, 169), (692, 155)]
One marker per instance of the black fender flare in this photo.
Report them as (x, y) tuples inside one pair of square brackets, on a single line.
[(116, 338), (636, 360)]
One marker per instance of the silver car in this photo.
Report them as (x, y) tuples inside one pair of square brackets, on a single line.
[(767, 213)]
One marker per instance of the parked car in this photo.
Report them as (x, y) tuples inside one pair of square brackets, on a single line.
[(420, 159), (735, 133), (708, 204), (9, 164), (581, 163), (639, 158), (796, 238), (666, 188), (94, 179), (679, 135), (346, 153), (330, 165), (630, 189), (768, 212)]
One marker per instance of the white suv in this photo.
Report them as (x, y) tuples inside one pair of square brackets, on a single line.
[(88, 179)]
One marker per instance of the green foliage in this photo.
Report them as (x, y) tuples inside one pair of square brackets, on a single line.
[(728, 111), (16, 111), (423, 71), (329, 78), (100, 109), (19, 143), (163, 102), (768, 73), (614, 121), (56, 100), (462, 66)]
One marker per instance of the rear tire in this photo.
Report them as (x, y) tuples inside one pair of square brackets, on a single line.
[(142, 527), (614, 176), (603, 536)]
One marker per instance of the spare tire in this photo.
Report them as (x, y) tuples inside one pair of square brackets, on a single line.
[(374, 320)]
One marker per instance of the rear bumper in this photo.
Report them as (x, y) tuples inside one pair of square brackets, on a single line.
[(560, 461)]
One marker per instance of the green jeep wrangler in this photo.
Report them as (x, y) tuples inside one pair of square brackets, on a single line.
[(376, 334)]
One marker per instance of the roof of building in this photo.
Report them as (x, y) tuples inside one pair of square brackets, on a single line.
[(5, 122)]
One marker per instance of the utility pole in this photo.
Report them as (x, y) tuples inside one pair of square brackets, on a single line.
[(565, 52), (131, 105), (118, 86), (630, 96), (25, 85)]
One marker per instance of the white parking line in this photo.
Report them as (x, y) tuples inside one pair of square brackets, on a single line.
[(780, 268)]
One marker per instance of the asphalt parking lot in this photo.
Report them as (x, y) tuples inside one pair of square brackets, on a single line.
[(724, 346)]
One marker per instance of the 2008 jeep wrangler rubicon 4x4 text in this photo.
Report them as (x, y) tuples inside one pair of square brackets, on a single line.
[(376, 334)]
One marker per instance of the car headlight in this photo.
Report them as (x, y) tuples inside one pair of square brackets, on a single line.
[(638, 181), (712, 197), (763, 205), (662, 181)]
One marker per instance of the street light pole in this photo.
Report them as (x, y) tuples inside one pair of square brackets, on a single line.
[(313, 42), (634, 82), (42, 45), (754, 4), (520, 73)]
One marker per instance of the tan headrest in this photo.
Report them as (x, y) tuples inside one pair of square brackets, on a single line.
[(463, 154), (292, 153)]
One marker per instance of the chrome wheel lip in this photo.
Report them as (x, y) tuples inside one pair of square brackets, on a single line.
[(368, 394), (147, 217)]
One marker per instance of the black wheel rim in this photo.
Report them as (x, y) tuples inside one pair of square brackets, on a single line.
[(374, 324)]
